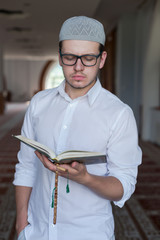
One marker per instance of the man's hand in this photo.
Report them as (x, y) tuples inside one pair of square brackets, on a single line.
[(46, 162), (22, 198), (74, 171), (106, 186), (21, 222)]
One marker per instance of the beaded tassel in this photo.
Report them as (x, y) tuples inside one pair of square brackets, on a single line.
[(55, 194), (55, 197), (52, 205), (67, 187)]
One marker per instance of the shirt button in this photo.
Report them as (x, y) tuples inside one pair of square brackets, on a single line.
[(64, 127)]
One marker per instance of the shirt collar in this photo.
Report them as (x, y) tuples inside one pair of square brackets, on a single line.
[(61, 91), (92, 94)]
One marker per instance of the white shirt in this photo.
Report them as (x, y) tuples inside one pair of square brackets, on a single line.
[(99, 122)]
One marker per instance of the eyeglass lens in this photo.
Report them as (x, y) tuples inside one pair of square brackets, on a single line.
[(87, 60)]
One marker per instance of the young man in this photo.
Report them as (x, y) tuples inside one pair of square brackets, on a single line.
[(78, 115)]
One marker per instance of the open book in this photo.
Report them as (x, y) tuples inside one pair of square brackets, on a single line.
[(85, 157)]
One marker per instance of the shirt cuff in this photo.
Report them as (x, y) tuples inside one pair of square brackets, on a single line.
[(128, 189), (23, 179)]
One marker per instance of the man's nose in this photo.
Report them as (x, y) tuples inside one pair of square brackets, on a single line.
[(79, 65)]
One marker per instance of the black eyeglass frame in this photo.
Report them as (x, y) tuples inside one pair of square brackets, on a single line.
[(80, 57)]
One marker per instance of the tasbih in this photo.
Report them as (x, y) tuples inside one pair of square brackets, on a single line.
[(55, 197), (55, 193)]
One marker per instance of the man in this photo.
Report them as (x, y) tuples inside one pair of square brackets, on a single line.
[(78, 115)]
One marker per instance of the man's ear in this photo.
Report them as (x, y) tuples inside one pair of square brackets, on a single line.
[(103, 59)]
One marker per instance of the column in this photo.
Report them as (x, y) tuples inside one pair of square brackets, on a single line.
[(2, 101)]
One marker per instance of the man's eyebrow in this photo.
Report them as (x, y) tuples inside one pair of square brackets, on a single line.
[(79, 54)]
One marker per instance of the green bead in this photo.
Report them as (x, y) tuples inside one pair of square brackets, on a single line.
[(52, 205), (67, 189)]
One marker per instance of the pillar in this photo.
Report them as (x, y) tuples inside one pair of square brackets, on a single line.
[(2, 100)]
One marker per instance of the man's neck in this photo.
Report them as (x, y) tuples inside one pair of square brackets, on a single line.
[(74, 93)]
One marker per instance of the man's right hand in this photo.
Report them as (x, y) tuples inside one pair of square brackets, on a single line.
[(22, 199)]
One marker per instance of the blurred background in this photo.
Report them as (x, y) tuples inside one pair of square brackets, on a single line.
[(29, 32)]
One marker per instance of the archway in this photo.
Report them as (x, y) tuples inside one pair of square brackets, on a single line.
[(54, 76), (51, 75)]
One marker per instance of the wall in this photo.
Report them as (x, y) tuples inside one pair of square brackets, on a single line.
[(151, 78), (22, 78), (133, 32), (155, 126)]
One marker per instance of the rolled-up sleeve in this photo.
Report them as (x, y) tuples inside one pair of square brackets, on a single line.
[(25, 168), (124, 155)]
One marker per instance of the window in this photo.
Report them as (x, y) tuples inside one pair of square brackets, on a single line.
[(54, 77)]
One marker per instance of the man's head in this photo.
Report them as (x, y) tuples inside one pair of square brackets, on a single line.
[(82, 28), (81, 52)]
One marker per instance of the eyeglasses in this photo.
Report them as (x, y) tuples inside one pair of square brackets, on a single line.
[(87, 59)]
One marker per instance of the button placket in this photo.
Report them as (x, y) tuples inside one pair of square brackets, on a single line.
[(65, 127), (60, 148)]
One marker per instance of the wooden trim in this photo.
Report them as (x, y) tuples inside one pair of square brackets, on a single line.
[(43, 74), (108, 71)]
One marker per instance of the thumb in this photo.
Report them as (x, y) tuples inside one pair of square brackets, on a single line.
[(76, 165)]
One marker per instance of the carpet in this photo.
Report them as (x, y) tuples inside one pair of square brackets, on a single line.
[(139, 219)]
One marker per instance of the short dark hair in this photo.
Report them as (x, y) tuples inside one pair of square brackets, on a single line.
[(101, 47), (60, 46)]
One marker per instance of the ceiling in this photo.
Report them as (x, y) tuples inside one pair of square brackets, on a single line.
[(29, 28)]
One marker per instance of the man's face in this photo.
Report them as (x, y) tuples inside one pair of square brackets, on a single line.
[(78, 76)]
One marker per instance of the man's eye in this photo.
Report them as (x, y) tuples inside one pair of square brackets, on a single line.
[(69, 57), (89, 58)]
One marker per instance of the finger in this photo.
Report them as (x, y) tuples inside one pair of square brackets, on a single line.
[(38, 154), (46, 162), (67, 167), (77, 166), (71, 169)]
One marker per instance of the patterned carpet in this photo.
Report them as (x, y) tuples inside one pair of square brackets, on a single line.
[(139, 219), (10, 123)]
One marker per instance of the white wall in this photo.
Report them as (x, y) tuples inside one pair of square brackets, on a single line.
[(133, 34), (151, 77), (155, 126), (22, 78)]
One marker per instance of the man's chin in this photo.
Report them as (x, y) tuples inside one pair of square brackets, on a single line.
[(77, 85), (80, 84)]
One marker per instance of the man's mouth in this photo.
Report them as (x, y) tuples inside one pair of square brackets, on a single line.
[(78, 77)]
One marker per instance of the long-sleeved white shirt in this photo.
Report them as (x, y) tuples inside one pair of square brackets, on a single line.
[(99, 122)]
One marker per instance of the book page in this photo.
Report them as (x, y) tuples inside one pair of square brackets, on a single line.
[(85, 159), (76, 153), (37, 146)]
